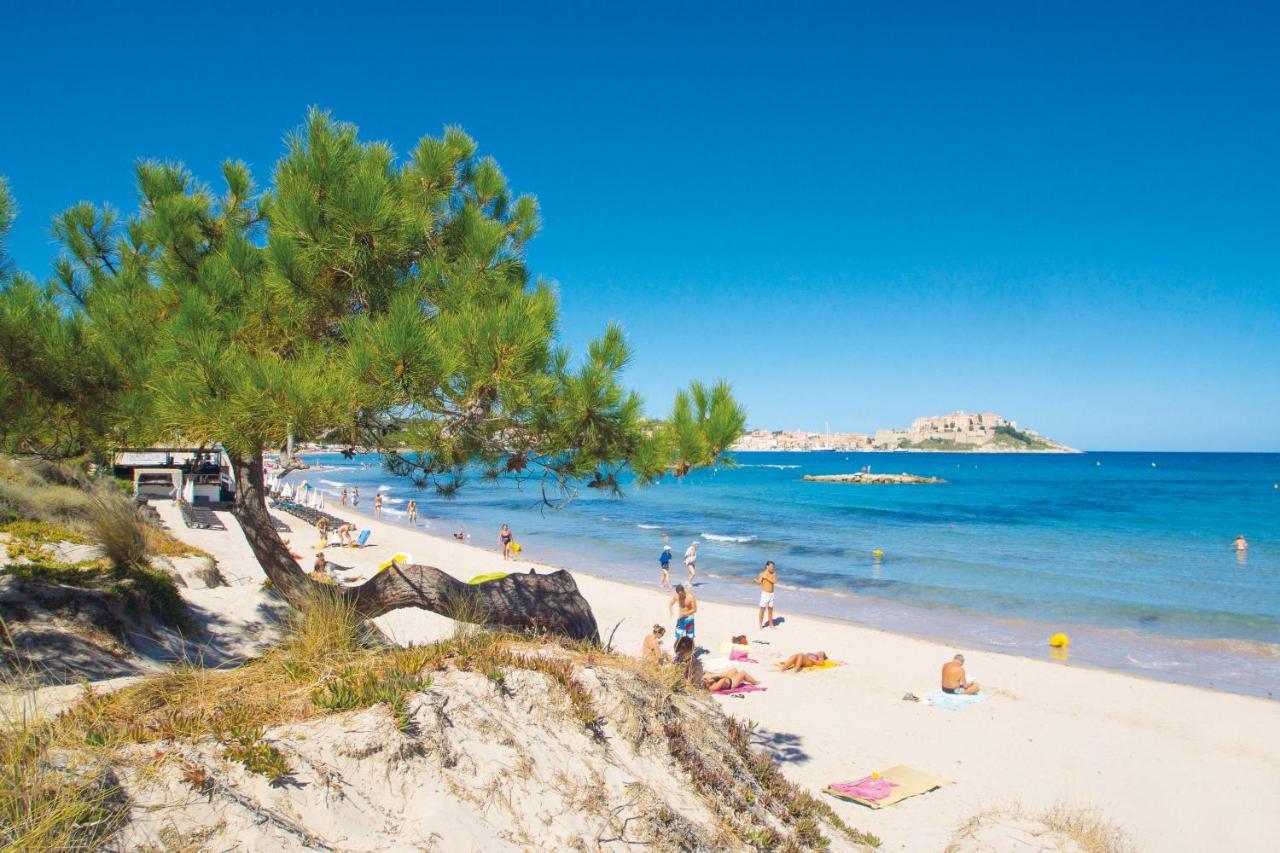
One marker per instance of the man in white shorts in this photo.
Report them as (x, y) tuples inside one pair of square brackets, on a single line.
[(691, 562), (767, 580)]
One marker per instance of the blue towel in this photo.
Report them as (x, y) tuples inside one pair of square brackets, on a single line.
[(954, 701)]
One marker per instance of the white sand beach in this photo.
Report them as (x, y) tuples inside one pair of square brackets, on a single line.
[(1175, 767)]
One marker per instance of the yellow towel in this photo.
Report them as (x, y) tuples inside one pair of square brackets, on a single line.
[(826, 664)]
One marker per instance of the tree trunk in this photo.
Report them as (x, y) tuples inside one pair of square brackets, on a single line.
[(549, 603)]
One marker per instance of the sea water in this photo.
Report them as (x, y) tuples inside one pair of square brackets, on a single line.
[(1131, 554)]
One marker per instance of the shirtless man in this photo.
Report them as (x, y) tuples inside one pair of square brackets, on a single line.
[(688, 607), (954, 680), (1241, 544), (767, 580)]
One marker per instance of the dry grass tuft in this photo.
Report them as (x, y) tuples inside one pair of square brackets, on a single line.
[(1088, 828), (119, 529)]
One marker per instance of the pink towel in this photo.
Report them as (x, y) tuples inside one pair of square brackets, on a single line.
[(743, 688), (741, 654), (867, 789)]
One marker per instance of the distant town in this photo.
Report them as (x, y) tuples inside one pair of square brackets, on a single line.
[(958, 431)]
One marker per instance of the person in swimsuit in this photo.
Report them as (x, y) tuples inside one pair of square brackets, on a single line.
[(504, 536), (688, 606), (767, 580), (322, 527), (664, 563), (711, 681), (1241, 544), (652, 648), (377, 504), (954, 679), (345, 495), (803, 660), (412, 512), (355, 496), (691, 561)]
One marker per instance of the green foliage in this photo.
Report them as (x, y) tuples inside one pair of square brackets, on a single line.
[(359, 295), (41, 532), (1017, 436), (246, 745)]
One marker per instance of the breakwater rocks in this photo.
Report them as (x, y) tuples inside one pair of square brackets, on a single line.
[(866, 479)]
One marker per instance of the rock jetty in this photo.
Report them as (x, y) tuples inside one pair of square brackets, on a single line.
[(866, 479)]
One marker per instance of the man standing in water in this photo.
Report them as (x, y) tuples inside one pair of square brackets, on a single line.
[(688, 607), (767, 580), (1241, 544), (691, 561)]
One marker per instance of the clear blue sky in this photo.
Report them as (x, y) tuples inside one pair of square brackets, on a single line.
[(1065, 213)]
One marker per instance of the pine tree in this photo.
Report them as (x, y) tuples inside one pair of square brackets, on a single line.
[(357, 298)]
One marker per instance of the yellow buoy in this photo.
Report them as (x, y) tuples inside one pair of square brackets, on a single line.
[(1059, 641), (877, 553)]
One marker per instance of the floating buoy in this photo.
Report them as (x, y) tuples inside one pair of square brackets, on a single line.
[(877, 553), (1059, 641)]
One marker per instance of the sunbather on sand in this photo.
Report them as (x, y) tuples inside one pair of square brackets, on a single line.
[(954, 679), (726, 680), (652, 648), (803, 660)]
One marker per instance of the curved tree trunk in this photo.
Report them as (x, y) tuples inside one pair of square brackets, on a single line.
[(548, 603)]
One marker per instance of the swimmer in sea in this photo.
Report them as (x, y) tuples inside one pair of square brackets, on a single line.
[(1241, 544)]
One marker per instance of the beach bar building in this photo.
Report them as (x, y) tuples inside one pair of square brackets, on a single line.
[(196, 475)]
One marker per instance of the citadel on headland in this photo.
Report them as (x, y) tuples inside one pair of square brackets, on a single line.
[(956, 432)]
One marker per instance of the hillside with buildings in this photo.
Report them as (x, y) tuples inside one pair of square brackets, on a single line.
[(956, 432)]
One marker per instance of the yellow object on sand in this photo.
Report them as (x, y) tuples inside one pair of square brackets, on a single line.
[(907, 783), (491, 576), (401, 558), (826, 664), (1059, 641)]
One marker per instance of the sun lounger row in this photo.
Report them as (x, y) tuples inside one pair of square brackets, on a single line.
[(200, 517)]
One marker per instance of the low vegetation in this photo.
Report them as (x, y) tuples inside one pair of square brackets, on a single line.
[(59, 791)]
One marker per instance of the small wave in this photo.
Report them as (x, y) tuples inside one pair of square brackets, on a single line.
[(334, 483), (393, 500), (384, 488), (716, 537), (649, 526)]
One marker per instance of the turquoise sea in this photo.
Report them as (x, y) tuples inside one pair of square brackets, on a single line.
[(1129, 553)]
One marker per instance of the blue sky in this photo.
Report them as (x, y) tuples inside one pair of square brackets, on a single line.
[(1069, 215)]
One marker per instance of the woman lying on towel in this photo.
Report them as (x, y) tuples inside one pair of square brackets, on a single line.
[(803, 660), (728, 679)]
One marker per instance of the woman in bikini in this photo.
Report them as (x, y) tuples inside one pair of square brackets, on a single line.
[(803, 660), (504, 536)]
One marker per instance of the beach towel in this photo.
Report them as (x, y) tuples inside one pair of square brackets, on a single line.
[(741, 655), (954, 701), (903, 781), (873, 787), (745, 688), (826, 664)]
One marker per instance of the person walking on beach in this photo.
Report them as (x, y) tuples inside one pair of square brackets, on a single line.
[(688, 606), (377, 504), (355, 496), (345, 495), (504, 537), (413, 512), (954, 679), (767, 580), (691, 561), (664, 563), (1241, 545)]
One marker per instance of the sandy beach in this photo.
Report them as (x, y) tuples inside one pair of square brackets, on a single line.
[(1175, 767)]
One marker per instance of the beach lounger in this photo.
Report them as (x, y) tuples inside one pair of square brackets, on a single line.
[(362, 539), (904, 782)]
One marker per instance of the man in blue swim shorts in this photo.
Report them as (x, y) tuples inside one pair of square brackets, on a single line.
[(688, 606)]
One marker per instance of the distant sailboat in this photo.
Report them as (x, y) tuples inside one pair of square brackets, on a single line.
[(827, 445)]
